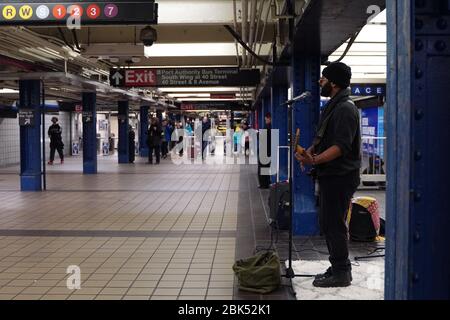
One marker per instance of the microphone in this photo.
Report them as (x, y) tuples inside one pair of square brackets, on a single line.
[(303, 96)]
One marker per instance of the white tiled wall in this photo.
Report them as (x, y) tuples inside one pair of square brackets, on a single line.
[(9, 142), (10, 138)]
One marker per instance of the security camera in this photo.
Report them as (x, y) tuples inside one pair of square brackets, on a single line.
[(148, 36)]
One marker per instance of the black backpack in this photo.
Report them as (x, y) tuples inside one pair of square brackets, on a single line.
[(364, 221)]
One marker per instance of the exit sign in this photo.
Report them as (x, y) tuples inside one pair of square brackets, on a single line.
[(184, 77), (59, 13)]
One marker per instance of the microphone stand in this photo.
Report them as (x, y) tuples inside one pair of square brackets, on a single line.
[(290, 274)]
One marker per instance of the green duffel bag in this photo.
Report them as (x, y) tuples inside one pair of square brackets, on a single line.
[(259, 274)]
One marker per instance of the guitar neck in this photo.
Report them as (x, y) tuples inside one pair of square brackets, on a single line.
[(297, 138)]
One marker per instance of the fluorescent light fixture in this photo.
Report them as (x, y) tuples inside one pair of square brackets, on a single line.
[(201, 89), (207, 99), (8, 91), (34, 55), (188, 95), (193, 49)]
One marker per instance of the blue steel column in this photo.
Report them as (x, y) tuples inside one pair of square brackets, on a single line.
[(90, 133), (417, 252), (143, 152), (305, 76), (123, 148), (30, 137), (265, 107), (280, 121), (261, 113)]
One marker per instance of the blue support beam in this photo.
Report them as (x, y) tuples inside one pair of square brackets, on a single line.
[(143, 147), (279, 113), (305, 75), (30, 136), (265, 108), (89, 133), (417, 252), (123, 118)]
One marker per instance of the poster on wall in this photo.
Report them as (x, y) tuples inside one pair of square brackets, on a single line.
[(105, 148), (372, 126), (75, 148)]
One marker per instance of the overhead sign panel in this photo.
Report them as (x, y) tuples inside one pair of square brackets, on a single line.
[(368, 89), (215, 105), (184, 77), (58, 13)]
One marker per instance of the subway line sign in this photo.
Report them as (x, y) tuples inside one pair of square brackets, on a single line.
[(60, 13), (368, 89), (184, 77)]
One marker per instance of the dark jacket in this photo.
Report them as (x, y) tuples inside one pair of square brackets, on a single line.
[(55, 133), (340, 126), (154, 137), (205, 127)]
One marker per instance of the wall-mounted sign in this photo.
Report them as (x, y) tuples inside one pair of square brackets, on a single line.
[(215, 105), (26, 117), (87, 116), (51, 13), (75, 148), (372, 125), (122, 118), (184, 77), (368, 89), (105, 148), (78, 108)]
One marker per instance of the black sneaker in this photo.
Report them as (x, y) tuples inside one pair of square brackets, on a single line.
[(328, 274), (325, 275), (339, 280)]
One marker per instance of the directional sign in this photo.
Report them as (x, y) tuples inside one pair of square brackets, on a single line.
[(215, 105), (57, 13), (26, 117), (87, 116), (184, 77), (117, 78)]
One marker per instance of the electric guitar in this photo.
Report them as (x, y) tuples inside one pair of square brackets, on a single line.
[(298, 149)]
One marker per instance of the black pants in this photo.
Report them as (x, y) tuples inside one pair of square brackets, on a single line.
[(204, 146), (157, 150), (131, 154), (336, 193), (53, 148), (164, 148)]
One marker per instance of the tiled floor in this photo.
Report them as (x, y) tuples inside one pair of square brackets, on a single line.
[(136, 232)]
